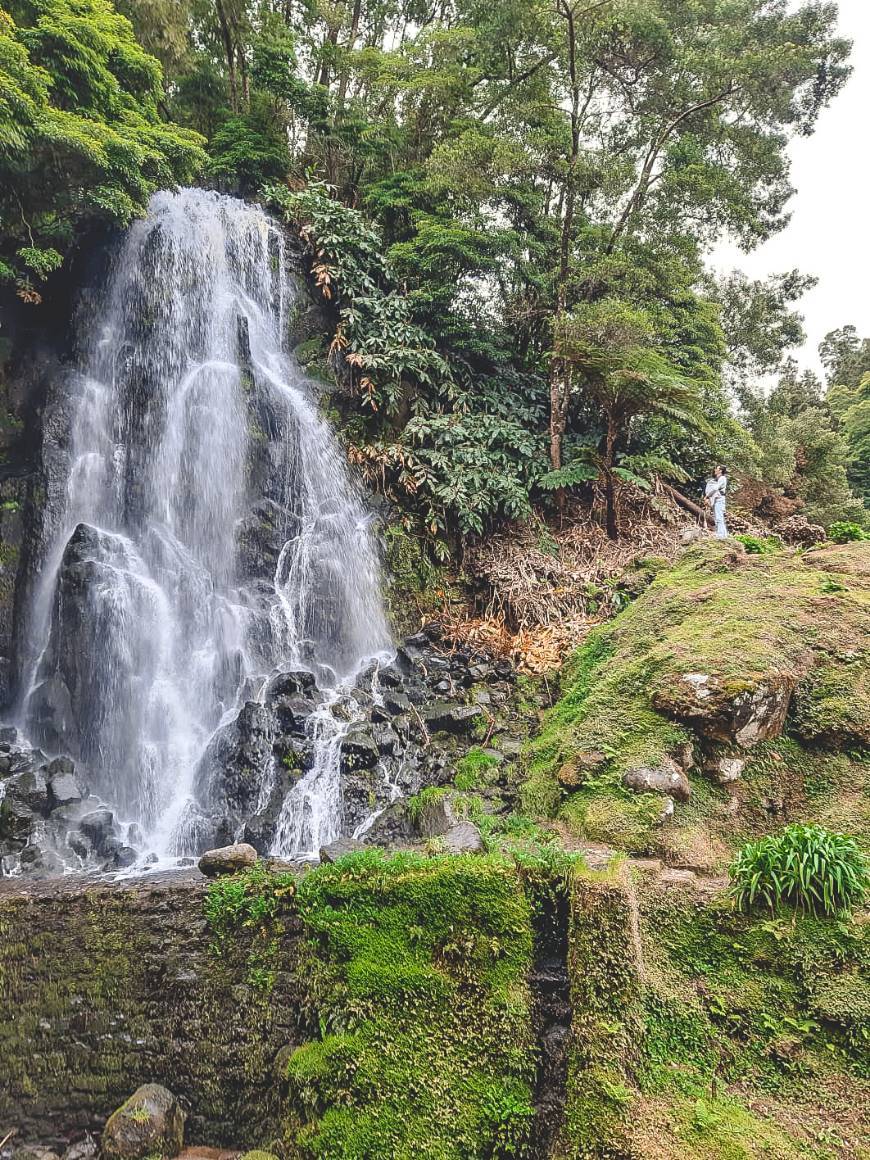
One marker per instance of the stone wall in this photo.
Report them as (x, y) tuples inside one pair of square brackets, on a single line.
[(104, 988)]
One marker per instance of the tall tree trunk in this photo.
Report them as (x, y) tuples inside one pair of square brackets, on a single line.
[(229, 52), (611, 521), (345, 72), (559, 381)]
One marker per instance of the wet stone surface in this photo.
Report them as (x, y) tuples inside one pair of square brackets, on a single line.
[(403, 731)]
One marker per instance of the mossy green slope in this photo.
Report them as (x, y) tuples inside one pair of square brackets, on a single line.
[(756, 1033), (780, 621)]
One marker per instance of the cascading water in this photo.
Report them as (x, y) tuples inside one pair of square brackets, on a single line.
[(200, 533)]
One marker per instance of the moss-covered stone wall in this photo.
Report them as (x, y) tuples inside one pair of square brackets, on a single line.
[(106, 988)]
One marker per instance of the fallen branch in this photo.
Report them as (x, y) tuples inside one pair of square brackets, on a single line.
[(686, 503)]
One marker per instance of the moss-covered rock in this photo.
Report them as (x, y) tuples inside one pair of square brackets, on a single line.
[(149, 1124), (753, 1042)]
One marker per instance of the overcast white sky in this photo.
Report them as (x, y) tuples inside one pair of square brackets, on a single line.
[(829, 233)]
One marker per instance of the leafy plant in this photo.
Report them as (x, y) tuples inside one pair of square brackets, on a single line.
[(82, 135), (807, 867), (759, 545), (844, 532)]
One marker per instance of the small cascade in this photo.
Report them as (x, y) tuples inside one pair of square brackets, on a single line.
[(200, 534)]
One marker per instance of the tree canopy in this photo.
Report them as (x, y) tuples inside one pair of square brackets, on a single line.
[(472, 179), (81, 132)]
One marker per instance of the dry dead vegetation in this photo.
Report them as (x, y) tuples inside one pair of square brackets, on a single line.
[(541, 586)]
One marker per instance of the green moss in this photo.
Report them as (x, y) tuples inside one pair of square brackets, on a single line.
[(417, 588), (604, 996), (833, 705), (744, 621), (473, 768), (743, 998), (419, 967), (602, 725), (739, 1018)]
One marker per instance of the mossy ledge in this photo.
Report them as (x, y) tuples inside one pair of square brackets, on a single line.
[(786, 631)]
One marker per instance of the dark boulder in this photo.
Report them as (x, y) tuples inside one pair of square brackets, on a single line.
[(445, 717), (392, 827), (359, 750), (30, 789), (98, 827), (232, 769)]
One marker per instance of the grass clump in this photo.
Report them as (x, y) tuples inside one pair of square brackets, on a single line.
[(806, 867), (760, 545), (473, 768)]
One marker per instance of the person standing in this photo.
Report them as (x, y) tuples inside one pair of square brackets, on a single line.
[(715, 493)]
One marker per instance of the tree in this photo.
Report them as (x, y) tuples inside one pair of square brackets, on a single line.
[(758, 321), (81, 136), (610, 357), (802, 446), (845, 357)]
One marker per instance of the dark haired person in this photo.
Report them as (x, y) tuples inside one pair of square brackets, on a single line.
[(715, 493)]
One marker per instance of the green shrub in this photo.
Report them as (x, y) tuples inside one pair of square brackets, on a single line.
[(760, 545), (843, 532), (803, 866)]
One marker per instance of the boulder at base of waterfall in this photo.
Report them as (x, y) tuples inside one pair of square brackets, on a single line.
[(392, 827), (227, 859), (463, 838), (97, 826), (446, 717), (339, 848), (666, 778), (435, 816), (30, 789), (63, 789), (150, 1123)]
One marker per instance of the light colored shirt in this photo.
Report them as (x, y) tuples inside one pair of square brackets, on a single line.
[(716, 488)]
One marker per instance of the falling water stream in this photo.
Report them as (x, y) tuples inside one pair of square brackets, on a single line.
[(200, 534)]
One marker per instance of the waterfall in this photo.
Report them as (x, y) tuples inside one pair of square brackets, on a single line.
[(200, 531)]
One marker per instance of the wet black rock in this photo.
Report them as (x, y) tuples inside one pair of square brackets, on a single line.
[(98, 827), (393, 827), (446, 717), (396, 702), (261, 536), (359, 750), (29, 789), (231, 770)]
